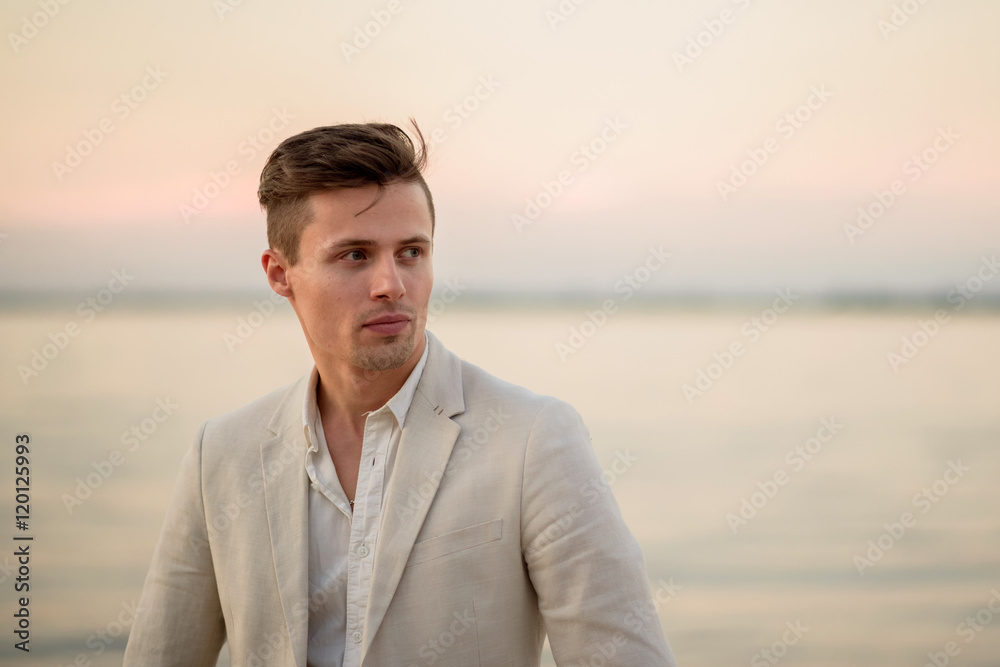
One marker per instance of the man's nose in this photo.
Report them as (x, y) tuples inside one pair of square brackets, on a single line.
[(387, 282)]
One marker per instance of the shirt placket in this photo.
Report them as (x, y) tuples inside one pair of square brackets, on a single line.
[(364, 528)]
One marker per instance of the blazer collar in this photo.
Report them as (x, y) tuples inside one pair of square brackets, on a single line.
[(440, 383), (426, 442)]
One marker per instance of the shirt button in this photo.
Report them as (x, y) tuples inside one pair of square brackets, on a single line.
[(356, 637), (362, 551)]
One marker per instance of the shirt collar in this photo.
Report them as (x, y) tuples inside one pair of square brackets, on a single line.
[(399, 404)]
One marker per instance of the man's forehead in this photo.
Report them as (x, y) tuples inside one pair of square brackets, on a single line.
[(335, 220)]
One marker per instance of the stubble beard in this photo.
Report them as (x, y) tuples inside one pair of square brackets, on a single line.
[(385, 355)]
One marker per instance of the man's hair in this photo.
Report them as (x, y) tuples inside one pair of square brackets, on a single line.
[(351, 155)]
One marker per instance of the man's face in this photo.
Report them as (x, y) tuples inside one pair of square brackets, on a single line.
[(354, 269)]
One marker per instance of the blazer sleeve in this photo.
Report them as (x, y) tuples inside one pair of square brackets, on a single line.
[(179, 620), (584, 563)]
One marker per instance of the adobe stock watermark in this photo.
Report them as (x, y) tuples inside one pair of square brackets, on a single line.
[(100, 640), (581, 159), (924, 501), (263, 654), (899, 16), (595, 320), (7, 569), (713, 30), (121, 108), (131, 439), (796, 459), (432, 650), (968, 629), (225, 7), (247, 326), (331, 585), (453, 289), (753, 329), (365, 34), (562, 12), (786, 127), (591, 491), (421, 496), (471, 441), (915, 167), (604, 651), (301, 609), (31, 24), (773, 654), (620, 464), (248, 149), (968, 289), (462, 111), (911, 345), (225, 514), (60, 339), (641, 615)]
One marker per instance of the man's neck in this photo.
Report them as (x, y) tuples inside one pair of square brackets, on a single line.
[(346, 393)]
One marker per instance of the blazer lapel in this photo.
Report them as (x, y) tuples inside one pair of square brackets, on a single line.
[(286, 488), (425, 445)]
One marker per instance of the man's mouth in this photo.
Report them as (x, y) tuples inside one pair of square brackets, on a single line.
[(387, 325)]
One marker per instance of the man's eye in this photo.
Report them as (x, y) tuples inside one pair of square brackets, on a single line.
[(351, 254), (416, 252)]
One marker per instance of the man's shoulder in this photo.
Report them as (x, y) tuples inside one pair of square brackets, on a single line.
[(530, 426), (484, 390), (256, 416)]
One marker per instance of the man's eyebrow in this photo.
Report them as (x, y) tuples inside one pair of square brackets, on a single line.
[(420, 238), (367, 243)]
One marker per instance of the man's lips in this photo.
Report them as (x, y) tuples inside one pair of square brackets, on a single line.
[(388, 324), (388, 319)]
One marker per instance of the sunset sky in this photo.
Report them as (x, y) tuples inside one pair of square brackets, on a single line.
[(117, 114)]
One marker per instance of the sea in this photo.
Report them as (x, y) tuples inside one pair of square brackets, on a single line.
[(811, 485)]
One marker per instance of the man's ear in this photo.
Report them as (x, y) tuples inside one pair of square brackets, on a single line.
[(276, 269)]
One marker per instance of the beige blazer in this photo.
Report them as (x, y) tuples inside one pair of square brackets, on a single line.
[(496, 530)]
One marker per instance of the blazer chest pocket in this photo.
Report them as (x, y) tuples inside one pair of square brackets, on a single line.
[(455, 541)]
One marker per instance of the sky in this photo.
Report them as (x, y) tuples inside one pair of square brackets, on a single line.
[(570, 141)]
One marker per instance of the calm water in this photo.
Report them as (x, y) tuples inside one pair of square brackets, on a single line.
[(691, 464)]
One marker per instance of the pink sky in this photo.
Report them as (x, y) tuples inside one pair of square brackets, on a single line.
[(162, 97)]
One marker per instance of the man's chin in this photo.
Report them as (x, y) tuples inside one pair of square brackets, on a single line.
[(386, 354)]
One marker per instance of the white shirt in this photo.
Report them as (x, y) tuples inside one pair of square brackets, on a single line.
[(342, 546)]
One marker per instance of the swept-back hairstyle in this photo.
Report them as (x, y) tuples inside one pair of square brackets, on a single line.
[(335, 156)]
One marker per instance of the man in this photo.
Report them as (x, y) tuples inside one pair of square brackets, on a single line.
[(397, 505)]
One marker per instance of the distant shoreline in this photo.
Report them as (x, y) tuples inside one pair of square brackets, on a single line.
[(26, 300)]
